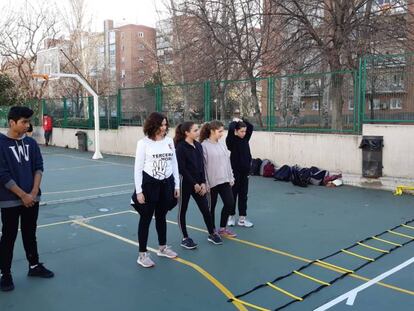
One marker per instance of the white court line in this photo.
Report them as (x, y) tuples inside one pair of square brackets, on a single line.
[(90, 160), (89, 197), (73, 167), (88, 189), (351, 295)]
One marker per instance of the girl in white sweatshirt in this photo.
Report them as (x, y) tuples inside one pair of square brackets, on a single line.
[(157, 185)]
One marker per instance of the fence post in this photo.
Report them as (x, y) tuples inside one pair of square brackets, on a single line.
[(44, 108), (90, 112), (270, 103), (158, 98), (65, 113), (119, 108), (361, 110), (207, 101)]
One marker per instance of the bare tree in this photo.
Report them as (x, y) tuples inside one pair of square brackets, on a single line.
[(239, 27), (338, 32), (22, 33)]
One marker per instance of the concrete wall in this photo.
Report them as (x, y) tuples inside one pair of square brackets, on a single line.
[(398, 152), (328, 151)]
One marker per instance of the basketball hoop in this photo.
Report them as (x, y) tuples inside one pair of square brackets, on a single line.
[(47, 64), (40, 77)]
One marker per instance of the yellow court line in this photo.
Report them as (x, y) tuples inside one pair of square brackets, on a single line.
[(203, 272), (311, 278), (401, 234), (373, 248), (409, 227), (284, 292), (386, 241), (323, 264), (250, 305), (357, 255), (318, 263)]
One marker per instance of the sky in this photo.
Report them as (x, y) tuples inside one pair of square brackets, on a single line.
[(131, 11), (142, 12)]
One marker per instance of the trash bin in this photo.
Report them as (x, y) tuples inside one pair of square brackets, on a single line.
[(82, 141), (372, 156)]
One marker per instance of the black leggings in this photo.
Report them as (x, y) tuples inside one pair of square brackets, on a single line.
[(240, 190), (186, 192), (146, 213), (28, 223), (226, 196)]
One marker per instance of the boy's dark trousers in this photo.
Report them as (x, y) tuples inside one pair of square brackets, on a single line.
[(28, 223)]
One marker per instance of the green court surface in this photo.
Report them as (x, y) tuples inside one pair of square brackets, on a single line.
[(88, 236)]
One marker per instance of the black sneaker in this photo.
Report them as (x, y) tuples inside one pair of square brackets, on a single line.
[(6, 282), (188, 243), (41, 272), (215, 239)]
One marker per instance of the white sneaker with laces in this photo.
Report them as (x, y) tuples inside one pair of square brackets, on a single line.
[(244, 222), (144, 260), (167, 252), (231, 221)]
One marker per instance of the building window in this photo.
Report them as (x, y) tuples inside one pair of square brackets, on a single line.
[(140, 34), (376, 104), (315, 106), (302, 106), (123, 84), (397, 80), (141, 72), (141, 59), (123, 74), (123, 60), (350, 104), (141, 47), (395, 103), (123, 48)]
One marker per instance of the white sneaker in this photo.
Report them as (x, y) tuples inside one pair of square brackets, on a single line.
[(244, 222), (144, 260), (231, 221), (167, 252)]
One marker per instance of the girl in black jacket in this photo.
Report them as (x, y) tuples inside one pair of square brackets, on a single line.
[(237, 142), (192, 176)]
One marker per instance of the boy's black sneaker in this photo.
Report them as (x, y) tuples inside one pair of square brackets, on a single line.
[(41, 272), (188, 243), (6, 282)]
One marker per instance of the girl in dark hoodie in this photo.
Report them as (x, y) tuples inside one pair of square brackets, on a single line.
[(191, 168), (237, 142)]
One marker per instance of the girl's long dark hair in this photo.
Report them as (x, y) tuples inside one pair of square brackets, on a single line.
[(208, 127), (180, 131), (240, 125)]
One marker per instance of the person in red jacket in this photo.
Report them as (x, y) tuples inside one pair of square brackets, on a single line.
[(47, 127)]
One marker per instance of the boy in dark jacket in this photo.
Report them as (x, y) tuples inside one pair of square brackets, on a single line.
[(21, 168), (237, 142)]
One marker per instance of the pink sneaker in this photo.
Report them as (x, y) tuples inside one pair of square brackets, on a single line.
[(227, 233)]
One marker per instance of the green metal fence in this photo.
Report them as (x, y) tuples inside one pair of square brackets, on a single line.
[(387, 92), (380, 90)]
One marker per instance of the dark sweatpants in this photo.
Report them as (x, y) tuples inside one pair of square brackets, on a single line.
[(240, 190), (28, 223)]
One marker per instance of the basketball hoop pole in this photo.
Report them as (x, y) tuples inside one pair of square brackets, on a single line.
[(97, 155)]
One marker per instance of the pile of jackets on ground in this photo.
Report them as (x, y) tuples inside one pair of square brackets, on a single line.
[(299, 176)]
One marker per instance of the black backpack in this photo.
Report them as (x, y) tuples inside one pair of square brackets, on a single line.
[(255, 167), (283, 174), (300, 176)]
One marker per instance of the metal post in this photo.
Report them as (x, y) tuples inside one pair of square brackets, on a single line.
[(97, 154), (119, 108), (65, 113), (207, 101)]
